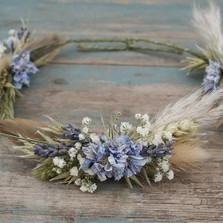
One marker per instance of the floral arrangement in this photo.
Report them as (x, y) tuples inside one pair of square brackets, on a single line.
[(144, 151), (20, 55)]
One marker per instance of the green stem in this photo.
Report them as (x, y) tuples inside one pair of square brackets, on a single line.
[(125, 48), (130, 45), (21, 138)]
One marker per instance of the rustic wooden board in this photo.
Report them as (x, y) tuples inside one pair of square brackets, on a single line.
[(79, 84)]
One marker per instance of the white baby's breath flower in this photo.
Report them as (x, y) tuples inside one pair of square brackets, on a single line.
[(87, 186), (80, 159), (143, 130), (72, 152), (165, 166), (138, 116), (77, 182), (74, 171), (89, 171), (57, 170), (95, 138), (12, 32), (86, 121), (92, 188), (168, 136), (81, 137), (145, 118), (158, 177), (84, 188), (78, 145), (85, 130), (125, 127), (170, 174), (59, 162), (157, 139)]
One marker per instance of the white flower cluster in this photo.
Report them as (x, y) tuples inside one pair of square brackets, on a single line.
[(59, 164), (95, 138), (125, 128), (162, 138), (86, 122), (143, 124), (163, 169), (86, 185), (74, 171), (72, 152)]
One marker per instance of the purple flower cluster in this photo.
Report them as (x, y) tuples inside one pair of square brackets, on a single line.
[(10, 42), (116, 158), (23, 33), (212, 77), (159, 151), (71, 132), (21, 68), (51, 150)]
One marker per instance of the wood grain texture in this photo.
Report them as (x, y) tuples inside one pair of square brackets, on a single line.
[(81, 84)]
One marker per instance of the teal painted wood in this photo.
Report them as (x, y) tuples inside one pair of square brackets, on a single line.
[(70, 76)]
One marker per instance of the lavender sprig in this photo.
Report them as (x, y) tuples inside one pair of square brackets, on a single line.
[(212, 78)]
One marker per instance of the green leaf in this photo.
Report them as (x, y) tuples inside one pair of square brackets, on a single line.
[(61, 176), (134, 178), (128, 182), (47, 138), (146, 176)]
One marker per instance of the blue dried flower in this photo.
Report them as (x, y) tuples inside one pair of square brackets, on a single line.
[(93, 153), (115, 158), (21, 68), (212, 77)]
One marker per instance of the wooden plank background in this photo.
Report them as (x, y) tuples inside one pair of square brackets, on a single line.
[(78, 84)]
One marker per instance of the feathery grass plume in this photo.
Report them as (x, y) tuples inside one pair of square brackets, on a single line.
[(186, 120), (208, 24), (152, 150), (193, 107), (44, 49)]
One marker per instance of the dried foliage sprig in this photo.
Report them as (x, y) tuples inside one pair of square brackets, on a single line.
[(148, 150)]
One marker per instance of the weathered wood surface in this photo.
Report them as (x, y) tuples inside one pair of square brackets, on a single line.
[(89, 84)]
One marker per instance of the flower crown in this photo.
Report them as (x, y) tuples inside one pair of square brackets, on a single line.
[(148, 150)]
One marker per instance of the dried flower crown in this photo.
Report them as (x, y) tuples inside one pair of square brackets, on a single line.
[(148, 150)]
